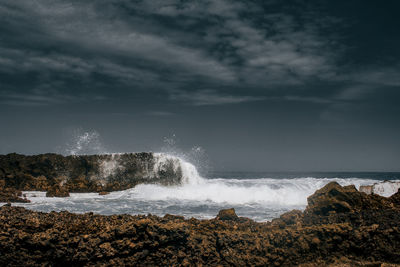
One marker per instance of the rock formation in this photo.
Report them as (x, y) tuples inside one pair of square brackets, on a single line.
[(86, 173), (57, 191), (340, 227), (10, 194)]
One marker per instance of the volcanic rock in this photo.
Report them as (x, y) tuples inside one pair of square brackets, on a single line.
[(29, 238), (227, 215), (8, 194), (334, 198), (87, 173), (57, 191), (340, 227)]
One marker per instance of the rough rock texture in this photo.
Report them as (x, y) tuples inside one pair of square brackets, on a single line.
[(227, 215), (361, 234), (334, 198), (10, 194), (57, 191), (87, 173)]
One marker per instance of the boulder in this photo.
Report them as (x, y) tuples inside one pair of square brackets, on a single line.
[(12, 195), (227, 215), (333, 198), (57, 191), (292, 217)]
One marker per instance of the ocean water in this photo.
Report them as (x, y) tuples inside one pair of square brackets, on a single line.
[(259, 196)]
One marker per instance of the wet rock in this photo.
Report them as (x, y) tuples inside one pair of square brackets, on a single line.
[(292, 217), (227, 215), (57, 191), (333, 198), (63, 238), (395, 198), (103, 193), (86, 173), (12, 195)]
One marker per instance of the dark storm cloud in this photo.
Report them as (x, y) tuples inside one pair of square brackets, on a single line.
[(273, 78), (165, 45)]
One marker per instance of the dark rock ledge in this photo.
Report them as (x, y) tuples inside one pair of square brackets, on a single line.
[(59, 175), (340, 227)]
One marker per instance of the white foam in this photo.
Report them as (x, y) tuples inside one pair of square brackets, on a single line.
[(190, 175), (261, 199), (386, 188), (275, 192)]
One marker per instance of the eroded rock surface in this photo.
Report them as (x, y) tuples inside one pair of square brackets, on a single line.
[(86, 173), (10, 194), (340, 227)]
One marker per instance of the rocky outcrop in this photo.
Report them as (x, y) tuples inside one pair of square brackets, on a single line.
[(11, 194), (227, 215), (334, 198), (334, 230), (87, 173), (57, 191)]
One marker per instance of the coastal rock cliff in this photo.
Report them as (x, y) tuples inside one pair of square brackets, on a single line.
[(340, 227), (87, 173)]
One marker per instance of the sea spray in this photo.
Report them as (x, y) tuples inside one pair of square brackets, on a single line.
[(258, 198), (187, 170), (196, 155), (84, 143)]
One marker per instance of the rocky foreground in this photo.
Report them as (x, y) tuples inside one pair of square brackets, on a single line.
[(340, 226)]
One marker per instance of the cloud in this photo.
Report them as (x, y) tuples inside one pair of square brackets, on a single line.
[(243, 46), (44, 96), (210, 97), (87, 27), (377, 75)]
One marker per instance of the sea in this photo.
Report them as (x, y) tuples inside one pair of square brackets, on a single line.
[(260, 196)]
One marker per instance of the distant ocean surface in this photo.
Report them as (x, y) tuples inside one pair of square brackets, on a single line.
[(261, 196)]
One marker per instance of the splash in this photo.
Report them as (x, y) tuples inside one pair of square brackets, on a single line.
[(266, 192), (196, 155), (164, 162), (110, 166), (85, 143)]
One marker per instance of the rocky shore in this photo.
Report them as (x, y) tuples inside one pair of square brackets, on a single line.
[(340, 227), (59, 175)]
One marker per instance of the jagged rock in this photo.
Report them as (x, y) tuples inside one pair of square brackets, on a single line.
[(12, 195), (63, 238), (86, 173), (292, 217), (227, 215), (334, 198), (395, 198), (57, 191)]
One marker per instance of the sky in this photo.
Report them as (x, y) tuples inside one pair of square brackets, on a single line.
[(256, 85)]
